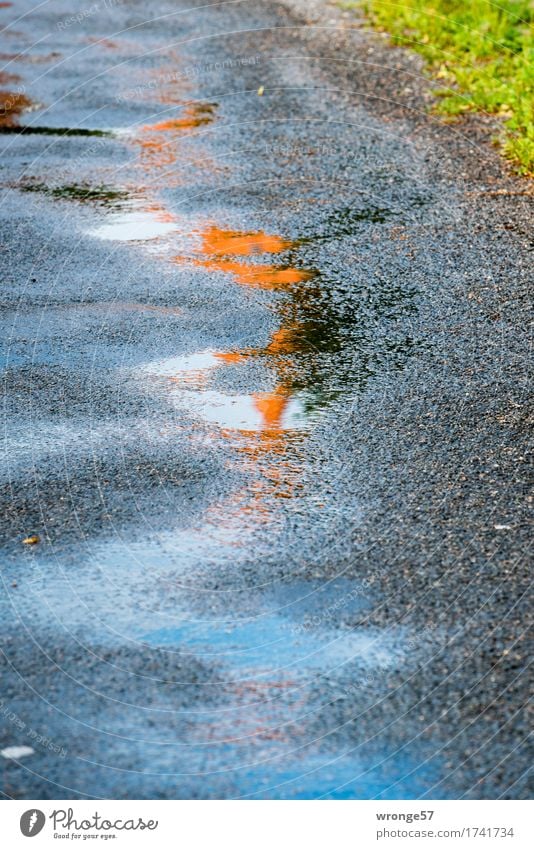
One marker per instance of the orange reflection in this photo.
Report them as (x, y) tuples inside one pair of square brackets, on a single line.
[(257, 276), (12, 103), (248, 256), (157, 141), (271, 407), (284, 340), (231, 357), (193, 115), (217, 250), (218, 242), (218, 246)]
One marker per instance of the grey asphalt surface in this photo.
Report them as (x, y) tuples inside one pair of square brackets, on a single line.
[(266, 406)]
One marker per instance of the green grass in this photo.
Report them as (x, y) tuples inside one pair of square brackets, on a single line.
[(481, 52)]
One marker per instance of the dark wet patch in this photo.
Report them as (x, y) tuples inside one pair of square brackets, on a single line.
[(104, 195), (53, 131), (344, 221)]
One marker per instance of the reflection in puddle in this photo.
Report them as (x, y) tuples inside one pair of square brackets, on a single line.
[(12, 104), (324, 775), (134, 224), (258, 411), (311, 359), (217, 247), (217, 242), (189, 376), (259, 276), (158, 142), (193, 115), (271, 645)]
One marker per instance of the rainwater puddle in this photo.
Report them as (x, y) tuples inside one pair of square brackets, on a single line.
[(159, 143), (256, 412), (134, 224), (271, 644), (216, 249), (188, 384), (396, 775), (190, 377)]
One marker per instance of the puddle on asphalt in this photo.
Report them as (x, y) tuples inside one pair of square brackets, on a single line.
[(271, 645), (260, 411), (218, 247), (258, 276), (134, 222), (345, 221), (7, 79), (289, 643), (295, 627), (324, 775)]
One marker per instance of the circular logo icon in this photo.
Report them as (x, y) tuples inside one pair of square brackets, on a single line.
[(32, 822)]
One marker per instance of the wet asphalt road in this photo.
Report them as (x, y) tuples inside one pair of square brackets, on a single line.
[(265, 363)]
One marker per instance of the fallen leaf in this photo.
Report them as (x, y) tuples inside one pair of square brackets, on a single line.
[(261, 90), (31, 540)]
